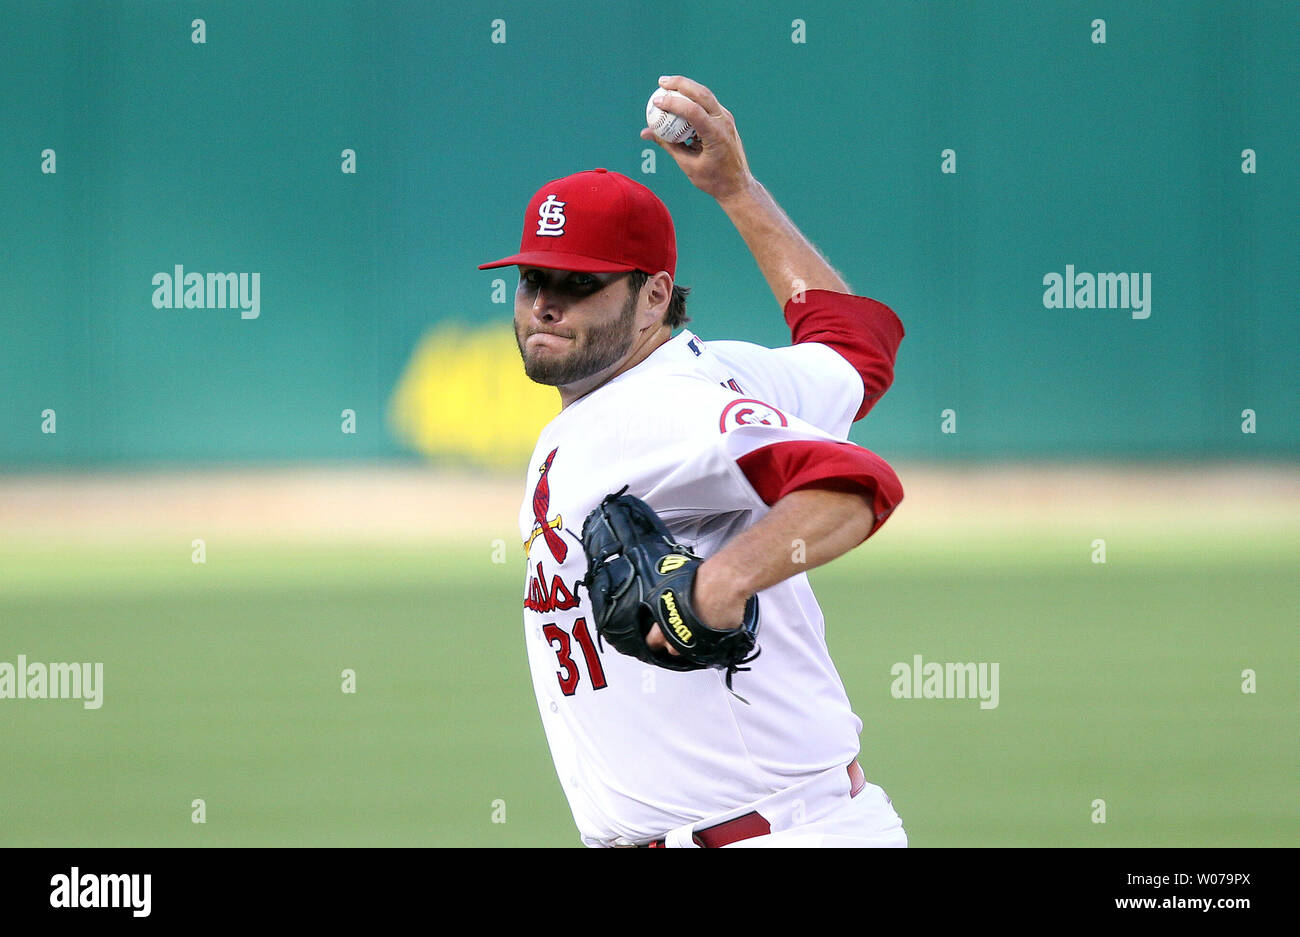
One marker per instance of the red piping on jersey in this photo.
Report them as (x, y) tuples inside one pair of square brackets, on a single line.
[(864, 332), (776, 470)]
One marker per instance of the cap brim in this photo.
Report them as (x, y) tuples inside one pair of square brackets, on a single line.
[(557, 260)]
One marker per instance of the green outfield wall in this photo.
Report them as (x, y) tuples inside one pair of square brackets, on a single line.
[(1084, 213)]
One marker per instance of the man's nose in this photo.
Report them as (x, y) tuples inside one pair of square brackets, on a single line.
[(545, 304)]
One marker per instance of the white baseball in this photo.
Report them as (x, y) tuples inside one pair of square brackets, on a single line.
[(668, 127)]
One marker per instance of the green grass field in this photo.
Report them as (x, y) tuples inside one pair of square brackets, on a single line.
[(222, 682)]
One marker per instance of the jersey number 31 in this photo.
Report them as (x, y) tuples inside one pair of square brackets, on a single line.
[(568, 675)]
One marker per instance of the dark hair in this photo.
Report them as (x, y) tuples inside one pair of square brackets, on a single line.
[(676, 314)]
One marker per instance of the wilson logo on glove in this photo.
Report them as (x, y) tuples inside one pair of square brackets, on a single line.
[(671, 562), (674, 617)]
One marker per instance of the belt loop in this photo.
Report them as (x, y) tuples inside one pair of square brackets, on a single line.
[(681, 838)]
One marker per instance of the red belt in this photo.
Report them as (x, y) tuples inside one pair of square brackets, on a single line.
[(754, 823)]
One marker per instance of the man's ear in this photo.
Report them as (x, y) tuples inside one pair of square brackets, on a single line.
[(659, 293)]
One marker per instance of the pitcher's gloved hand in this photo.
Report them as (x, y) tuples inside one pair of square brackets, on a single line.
[(638, 576)]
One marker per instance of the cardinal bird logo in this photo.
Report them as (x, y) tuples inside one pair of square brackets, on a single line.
[(541, 505)]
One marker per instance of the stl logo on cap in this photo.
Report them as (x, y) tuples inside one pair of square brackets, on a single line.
[(619, 225), (550, 217)]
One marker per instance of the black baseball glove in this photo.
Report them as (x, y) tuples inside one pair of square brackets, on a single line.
[(637, 576)]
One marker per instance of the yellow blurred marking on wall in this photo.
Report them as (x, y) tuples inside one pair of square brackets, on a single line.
[(464, 396)]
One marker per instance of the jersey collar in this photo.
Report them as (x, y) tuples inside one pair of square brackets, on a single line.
[(674, 356)]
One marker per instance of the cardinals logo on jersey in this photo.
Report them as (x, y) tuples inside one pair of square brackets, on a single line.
[(747, 411), (544, 597), (542, 526), (550, 218)]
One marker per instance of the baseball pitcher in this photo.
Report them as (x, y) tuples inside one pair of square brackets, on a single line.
[(672, 509)]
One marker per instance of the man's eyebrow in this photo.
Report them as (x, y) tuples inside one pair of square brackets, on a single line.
[(549, 271)]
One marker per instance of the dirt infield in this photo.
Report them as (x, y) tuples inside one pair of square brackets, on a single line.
[(402, 503)]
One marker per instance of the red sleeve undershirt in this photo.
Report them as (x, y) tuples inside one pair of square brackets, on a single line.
[(776, 470), (864, 332)]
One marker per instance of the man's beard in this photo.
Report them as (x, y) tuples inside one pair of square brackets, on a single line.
[(605, 344)]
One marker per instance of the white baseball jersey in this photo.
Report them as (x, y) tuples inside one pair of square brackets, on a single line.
[(639, 749)]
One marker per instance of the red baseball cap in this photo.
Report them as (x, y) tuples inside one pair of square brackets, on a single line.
[(596, 221)]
